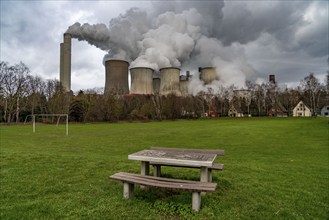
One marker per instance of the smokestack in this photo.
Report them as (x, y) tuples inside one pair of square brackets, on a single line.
[(208, 74), (141, 80), (65, 62), (272, 79), (187, 74), (116, 77), (169, 83)]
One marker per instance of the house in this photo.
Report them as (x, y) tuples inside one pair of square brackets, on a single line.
[(235, 112), (301, 110), (277, 110), (325, 111)]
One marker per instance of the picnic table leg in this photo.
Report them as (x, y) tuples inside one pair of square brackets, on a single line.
[(128, 190), (157, 170), (145, 170), (209, 176), (204, 176), (196, 201)]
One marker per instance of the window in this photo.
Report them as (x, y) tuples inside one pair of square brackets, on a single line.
[(328, 108)]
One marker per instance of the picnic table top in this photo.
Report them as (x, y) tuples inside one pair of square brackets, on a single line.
[(174, 158)]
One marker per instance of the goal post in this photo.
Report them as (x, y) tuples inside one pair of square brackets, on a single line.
[(49, 115)]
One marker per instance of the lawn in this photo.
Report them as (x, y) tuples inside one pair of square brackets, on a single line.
[(275, 168)]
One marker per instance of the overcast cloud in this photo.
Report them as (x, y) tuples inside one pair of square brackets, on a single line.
[(252, 38)]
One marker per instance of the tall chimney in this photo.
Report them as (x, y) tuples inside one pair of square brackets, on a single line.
[(272, 79), (65, 62)]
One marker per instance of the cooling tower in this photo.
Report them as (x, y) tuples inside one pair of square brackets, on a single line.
[(183, 85), (65, 62), (156, 85), (141, 80), (116, 77), (169, 83), (208, 74)]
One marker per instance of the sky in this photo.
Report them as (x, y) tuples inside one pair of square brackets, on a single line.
[(244, 40)]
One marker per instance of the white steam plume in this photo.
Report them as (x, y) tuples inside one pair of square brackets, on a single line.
[(170, 36)]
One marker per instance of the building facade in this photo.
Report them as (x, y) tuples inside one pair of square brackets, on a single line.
[(301, 110), (325, 111)]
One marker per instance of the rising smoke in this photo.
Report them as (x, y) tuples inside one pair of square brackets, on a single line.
[(175, 34)]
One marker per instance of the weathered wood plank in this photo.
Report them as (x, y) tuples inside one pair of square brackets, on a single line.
[(207, 151), (171, 157), (165, 182), (159, 178), (213, 167), (217, 166), (173, 185)]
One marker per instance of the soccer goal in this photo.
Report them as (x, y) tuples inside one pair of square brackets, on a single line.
[(49, 115)]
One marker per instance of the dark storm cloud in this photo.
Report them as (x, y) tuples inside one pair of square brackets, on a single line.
[(246, 21)]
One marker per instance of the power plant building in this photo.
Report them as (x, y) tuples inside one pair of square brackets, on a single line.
[(65, 63), (208, 74), (141, 80), (169, 83), (184, 83), (116, 77)]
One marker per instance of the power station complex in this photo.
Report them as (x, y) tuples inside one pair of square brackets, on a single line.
[(143, 80)]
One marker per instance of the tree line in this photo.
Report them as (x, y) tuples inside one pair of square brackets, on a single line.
[(22, 94)]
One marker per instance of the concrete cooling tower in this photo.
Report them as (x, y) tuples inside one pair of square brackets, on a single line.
[(116, 77), (141, 80), (169, 83), (208, 74), (65, 63)]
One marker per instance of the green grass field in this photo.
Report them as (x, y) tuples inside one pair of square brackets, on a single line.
[(275, 168)]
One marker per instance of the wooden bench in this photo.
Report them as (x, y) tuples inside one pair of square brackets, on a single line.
[(129, 179), (157, 166)]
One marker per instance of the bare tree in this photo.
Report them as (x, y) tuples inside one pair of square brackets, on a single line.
[(157, 101), (13, 88), (35, 89), (311, 86)]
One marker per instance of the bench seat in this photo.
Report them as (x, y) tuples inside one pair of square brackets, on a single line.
[(129, 179)]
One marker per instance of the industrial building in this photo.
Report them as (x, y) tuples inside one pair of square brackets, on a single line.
[(207, 74), (169, 81), (144, 80), (116, 77), (141, 80)]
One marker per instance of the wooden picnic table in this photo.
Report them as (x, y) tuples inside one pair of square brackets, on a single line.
[(181, 158), (191, 158)]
